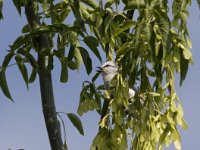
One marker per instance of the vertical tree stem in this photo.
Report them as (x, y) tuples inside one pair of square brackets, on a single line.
[(45, 79)]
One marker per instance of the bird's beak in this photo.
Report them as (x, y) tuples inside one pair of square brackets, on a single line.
[(99, 69)]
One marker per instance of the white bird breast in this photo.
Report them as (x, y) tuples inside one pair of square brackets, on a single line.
[(131, 93)]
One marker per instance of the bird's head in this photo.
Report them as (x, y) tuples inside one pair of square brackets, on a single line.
[(108, 68)]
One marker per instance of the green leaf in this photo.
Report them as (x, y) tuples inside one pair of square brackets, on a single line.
[(135, 4), (32, 76), (26, 29), (86, 59), (78, 57), (32, 61), (90, 3), (198, 1), (154, 94), (64, 72), (20, 41), (95, 76), (109, 3), (65, 146), (107, 19), (17, 4), (123, 49), (76, 122), (126, 25), (183, 68), (22, 68), (1, 8), (93, 43), (43, 29), (63, 15), (3, 84), (163, 23), (164, 134), (71, 52), (177, 145), (184, 124), (187, 54), (7, 59), (71, 65)]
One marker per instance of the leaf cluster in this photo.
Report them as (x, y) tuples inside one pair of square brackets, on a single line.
[(149, 50)]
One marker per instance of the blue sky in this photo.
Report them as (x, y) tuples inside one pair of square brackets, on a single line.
[(22, 124)]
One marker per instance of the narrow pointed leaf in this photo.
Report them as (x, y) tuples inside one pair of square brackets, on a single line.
[(26, 29), (86, 60), (76, 122), (32, 60), (71, 65), (90, 3), (163, 23), (17, 4), (93, 43), (135, 4), (7, 59), (32, 76), (183, 68), (78, 57), (3, 84), (198, 1), (126, 25), (22, 68), (1, 7), (64, 73)]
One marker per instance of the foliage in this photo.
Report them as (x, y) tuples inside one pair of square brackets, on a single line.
[(155, 47), (148, 45)]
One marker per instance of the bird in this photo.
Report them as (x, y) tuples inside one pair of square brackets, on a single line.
[(108, 71)]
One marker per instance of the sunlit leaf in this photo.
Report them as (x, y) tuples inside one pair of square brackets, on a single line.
[(78, 57), (126, 25), (163, 23), (90, 3), (184, 124), (187, 54), (109, 3), (106, 21), (135, 4)]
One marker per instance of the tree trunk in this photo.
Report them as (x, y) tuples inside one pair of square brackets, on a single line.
[(45, 79)]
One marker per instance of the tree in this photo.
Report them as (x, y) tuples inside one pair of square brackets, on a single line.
[(148, 44)]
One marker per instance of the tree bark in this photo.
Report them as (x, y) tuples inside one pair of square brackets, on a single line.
[(45, 79)]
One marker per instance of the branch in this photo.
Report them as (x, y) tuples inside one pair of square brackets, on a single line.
[(45, 79)]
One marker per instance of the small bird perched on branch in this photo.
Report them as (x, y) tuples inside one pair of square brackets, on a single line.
[(108, 71)]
